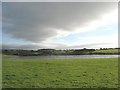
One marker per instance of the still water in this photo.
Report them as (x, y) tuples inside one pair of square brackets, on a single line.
[(60, 57)]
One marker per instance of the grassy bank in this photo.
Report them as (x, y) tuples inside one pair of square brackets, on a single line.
[(107, 51), (70, 73)]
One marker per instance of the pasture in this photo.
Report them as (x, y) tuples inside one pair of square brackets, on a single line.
[(64, 73), (107, 51)]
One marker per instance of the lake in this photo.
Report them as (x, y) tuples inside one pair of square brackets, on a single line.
[(60, 57)]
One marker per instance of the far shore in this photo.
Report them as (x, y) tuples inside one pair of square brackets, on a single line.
[(49, 52)]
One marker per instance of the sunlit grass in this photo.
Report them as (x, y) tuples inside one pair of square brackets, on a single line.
[(107, 51)]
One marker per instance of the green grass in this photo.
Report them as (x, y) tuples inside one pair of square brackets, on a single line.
[(107, 51), (70, 73)]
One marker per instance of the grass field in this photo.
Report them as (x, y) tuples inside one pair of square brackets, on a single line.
[(70, 73), (107, 51)]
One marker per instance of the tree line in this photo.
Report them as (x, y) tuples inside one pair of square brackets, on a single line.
[(39, 52)]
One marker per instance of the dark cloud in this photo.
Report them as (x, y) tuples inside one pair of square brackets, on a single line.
[(17, 46), (38, 21)]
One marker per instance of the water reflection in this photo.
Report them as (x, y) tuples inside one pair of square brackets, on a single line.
[(60, 57)]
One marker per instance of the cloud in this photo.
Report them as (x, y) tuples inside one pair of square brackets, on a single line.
[(38, 21), (91, 45), (18, 46), (33, 46), (55, 46)]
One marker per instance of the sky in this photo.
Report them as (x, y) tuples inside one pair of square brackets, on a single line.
[(59, 25)]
